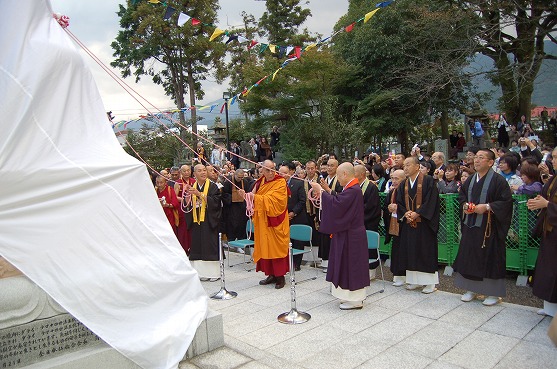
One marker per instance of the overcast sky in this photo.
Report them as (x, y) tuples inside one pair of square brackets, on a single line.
[(96, 24)]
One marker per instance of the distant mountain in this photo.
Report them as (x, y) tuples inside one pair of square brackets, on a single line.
[(545, 89), (206, 118)]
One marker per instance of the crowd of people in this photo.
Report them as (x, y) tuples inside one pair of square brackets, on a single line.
[(349, 196)]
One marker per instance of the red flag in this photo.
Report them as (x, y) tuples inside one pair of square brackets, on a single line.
[(222, 107), (252, 44), (298, 51), (350, 27), (195, 22)]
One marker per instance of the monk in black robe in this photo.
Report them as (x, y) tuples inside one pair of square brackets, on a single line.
[(486, 204), (203, 221), (329, 183), (399, 257), (418, 216), (235, 206), (545, 277), (296, 206), (372, 211)]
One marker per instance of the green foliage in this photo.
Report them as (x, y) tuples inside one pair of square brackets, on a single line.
[(513, 33), (178, 58), (281, 21), (157, 148), (406, 64)]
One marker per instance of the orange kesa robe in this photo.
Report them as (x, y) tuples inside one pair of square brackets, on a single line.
[(270, 219)]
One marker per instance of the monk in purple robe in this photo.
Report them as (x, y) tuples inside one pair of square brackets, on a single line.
[(343, 218)]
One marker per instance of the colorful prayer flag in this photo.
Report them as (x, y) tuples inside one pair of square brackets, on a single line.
[(350, 27), (195, 21), (216, 33), (231, 38), (368, 16), (182, 19), (383, 4), (169, 11), (275, 74)]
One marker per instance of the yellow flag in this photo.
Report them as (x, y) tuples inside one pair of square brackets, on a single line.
[(272, 48), (274, 74), (309, 47), (370, 14), (216, 33), (154, 1)]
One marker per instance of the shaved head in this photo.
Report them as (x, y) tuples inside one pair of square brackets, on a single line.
[(345, 173), (268, 170), (397, 177), (332, 165), (360, 172)]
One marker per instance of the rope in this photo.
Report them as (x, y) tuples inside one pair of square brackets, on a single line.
[(315, 199), (64, 22), (249, 197)]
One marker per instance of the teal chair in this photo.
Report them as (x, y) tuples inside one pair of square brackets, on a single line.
[(373, 241), (243, 244), (300, 232)]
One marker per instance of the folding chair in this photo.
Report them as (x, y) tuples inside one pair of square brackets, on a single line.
[(373, 244), (242, 244), (300, 232)]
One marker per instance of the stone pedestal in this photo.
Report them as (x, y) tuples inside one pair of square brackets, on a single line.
[(37, 333), (62, 342)]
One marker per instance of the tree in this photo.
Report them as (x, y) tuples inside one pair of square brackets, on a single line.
[(157, 147), (513, 34), (406, 65), (178, 58), (281, 21)]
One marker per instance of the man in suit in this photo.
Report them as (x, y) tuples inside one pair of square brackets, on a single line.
[(296, 204)]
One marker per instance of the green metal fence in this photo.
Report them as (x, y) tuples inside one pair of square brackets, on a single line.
[(522, 247)]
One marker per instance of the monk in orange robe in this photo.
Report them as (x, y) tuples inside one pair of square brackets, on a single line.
[(271, 225)]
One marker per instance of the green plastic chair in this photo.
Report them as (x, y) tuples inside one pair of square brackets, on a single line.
[(373, 241), (301, 232), (243, 244)]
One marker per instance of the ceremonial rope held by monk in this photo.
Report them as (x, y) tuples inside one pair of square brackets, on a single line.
[(129, 89), (249, 204), (314, 198)]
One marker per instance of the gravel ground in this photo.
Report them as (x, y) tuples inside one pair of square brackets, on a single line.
[(515, 294)]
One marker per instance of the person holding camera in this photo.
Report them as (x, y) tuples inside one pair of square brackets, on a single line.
[(477, 133)]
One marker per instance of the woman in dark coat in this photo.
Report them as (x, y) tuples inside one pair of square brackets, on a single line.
[(264, 150), (545, 278)]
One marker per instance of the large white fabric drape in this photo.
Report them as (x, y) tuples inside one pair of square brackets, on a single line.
[(77, 214)]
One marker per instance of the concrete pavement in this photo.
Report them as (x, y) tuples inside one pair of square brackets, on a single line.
[(395, 329)]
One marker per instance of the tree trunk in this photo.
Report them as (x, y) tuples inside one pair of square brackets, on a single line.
[(403, 139), (191, 88), (444, 124)]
